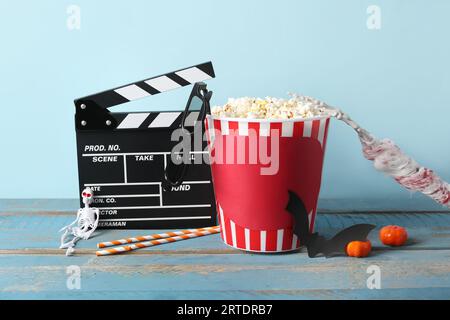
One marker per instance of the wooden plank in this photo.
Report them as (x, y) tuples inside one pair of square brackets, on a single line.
[(30, 231), (404, 274), (416, 202), (38, 205), (278, 294)]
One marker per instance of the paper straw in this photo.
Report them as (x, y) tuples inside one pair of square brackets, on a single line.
[(151, 237), (152, 243)]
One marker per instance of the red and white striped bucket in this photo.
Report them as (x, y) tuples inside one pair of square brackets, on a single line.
[(251, 205)]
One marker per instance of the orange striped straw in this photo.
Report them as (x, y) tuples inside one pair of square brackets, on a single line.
[(146, 244), (151, 237)]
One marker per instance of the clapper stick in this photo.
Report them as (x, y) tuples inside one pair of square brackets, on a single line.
[(151, 237), (153, 243), (149, 87)]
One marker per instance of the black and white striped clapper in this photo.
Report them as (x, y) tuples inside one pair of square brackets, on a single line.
[(122, 157)]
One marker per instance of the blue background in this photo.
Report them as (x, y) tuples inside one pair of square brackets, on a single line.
[(395, 81)]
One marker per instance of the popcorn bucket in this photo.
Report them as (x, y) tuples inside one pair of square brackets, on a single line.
[(254, 163)]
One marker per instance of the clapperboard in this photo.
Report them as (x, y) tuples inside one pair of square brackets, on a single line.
[(122, 157)]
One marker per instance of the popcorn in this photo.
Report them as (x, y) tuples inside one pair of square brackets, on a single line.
[(270, 108)]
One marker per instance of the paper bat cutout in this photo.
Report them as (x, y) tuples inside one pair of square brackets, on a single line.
[(316, 243)]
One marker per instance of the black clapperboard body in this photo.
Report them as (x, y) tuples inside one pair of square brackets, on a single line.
[(122, 156)]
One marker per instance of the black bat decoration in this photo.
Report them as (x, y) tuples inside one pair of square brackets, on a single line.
[(316, 243)]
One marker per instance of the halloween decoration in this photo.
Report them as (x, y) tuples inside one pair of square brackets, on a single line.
[(388, 158), (393, 235), (358, 249), (83, 226), (317, 244)]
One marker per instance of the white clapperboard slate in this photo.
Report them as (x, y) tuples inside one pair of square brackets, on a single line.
[(122, 157)]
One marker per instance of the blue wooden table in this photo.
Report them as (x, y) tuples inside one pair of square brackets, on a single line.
[(32, 266)]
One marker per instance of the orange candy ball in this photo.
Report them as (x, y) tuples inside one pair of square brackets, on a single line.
[(359, 249), (393, 235)]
